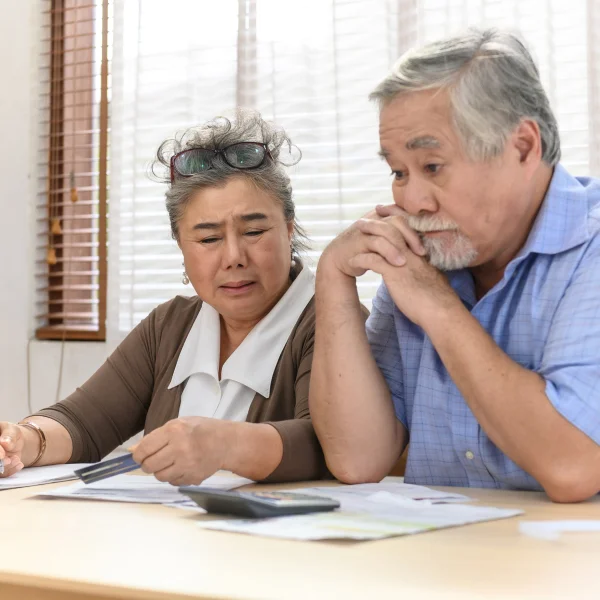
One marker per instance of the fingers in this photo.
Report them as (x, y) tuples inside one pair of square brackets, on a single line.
[(390, 210), (9, 434), (172, 474), (13, 467), (370, 262), (391, 246), (397, 233), (150, 445), (161, 460), (175, 477)]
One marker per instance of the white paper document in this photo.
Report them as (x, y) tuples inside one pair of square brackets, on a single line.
[(552, 530), (368, 512), (40, 475), (363, 496), (144, 489)]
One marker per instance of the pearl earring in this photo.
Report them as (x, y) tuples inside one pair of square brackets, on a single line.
[(293, 261), (184, 279)]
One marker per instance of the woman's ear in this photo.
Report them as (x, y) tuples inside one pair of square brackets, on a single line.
[(290, 228)]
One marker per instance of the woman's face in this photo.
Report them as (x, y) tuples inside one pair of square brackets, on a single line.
[(236, 249)]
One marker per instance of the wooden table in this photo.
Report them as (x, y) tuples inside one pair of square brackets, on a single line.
[(78, 549)]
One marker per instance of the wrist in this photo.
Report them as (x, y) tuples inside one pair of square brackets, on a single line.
[(227, 440), (31, 445), (329, 277), (436, 320)]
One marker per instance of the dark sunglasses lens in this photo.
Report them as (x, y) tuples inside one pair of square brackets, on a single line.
[(245, 156), (194, 161)]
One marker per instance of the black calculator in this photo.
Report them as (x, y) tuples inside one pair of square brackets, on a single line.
[(257, 504)]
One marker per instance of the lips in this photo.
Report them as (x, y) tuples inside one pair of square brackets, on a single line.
[(234, 285)]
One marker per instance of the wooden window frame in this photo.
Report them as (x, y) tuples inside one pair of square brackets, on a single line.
[(65, 288)]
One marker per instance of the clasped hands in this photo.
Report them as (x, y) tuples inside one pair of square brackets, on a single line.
[(382, 242)]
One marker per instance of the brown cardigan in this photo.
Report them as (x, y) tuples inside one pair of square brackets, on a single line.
[(129, 392)]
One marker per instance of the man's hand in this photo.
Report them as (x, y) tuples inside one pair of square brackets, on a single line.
[(184, 451), (391, 241), (418, 289)]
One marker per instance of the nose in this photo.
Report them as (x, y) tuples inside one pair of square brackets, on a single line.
[(416, 197), (234, 254)]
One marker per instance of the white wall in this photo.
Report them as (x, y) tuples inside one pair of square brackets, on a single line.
[(19, 30)]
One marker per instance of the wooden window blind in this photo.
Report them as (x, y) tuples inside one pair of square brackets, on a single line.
[(71, 210)]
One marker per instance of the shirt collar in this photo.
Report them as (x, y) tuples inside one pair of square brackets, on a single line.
[(200, 352), (254, 361), (562, 221)]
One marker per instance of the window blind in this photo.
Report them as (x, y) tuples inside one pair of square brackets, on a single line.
[(309, 66), (71, 170)]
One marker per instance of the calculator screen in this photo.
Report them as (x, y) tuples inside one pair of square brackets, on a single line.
[(289, 499)]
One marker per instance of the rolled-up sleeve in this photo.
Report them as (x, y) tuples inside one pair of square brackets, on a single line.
[(382, 336), (112, 404), (571, 358)]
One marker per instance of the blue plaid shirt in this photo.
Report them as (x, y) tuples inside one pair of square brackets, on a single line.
[(544, 313)]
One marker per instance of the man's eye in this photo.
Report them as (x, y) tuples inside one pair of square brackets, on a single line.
[(210, 240), (433, 168), (254, 232), (399, 174)]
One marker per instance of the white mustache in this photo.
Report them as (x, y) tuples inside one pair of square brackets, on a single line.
[(423, 224)]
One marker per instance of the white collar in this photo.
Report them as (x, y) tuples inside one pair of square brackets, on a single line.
[(253, 362)]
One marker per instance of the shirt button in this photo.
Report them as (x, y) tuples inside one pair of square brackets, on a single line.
[(469, 455)]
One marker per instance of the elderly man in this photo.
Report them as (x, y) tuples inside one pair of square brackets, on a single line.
[(483, 346)]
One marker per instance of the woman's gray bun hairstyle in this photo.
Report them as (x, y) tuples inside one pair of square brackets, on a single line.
[(217, 134)]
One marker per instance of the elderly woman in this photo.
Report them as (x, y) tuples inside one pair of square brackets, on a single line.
[(218, 380)]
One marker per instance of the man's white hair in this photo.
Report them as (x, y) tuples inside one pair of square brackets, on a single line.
[(493, 85)]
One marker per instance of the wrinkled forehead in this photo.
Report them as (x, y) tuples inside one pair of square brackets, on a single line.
[(229, 202), (416, 121)]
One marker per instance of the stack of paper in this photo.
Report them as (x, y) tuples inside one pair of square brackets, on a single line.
[(362, 496), (368, 512), (40, 475), (144, 489)]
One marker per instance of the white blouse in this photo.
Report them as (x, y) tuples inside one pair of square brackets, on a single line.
[(249, 370)]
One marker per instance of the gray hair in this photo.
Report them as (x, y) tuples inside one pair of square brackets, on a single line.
[(493, 85), (271, 176)]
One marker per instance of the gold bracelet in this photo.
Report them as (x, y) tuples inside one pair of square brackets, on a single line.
[(41, 435)]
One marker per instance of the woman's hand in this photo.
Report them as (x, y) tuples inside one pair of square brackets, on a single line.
[(185, 451), (12, 442)]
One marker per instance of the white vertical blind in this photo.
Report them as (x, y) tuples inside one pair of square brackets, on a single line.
[(563, 38), (310, 66)]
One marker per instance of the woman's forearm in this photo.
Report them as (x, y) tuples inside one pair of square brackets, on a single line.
[(253, 450), (59, 445)]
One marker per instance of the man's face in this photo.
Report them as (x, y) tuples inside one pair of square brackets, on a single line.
[(466, 211)]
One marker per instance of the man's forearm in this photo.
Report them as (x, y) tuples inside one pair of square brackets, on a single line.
[(349, 400), (511, 405)]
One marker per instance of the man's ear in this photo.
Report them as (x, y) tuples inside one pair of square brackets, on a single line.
[(527, 140)]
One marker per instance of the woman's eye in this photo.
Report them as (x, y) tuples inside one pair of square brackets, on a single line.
[(210, 240), (254, 233), (433, 168), (399, 174)]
